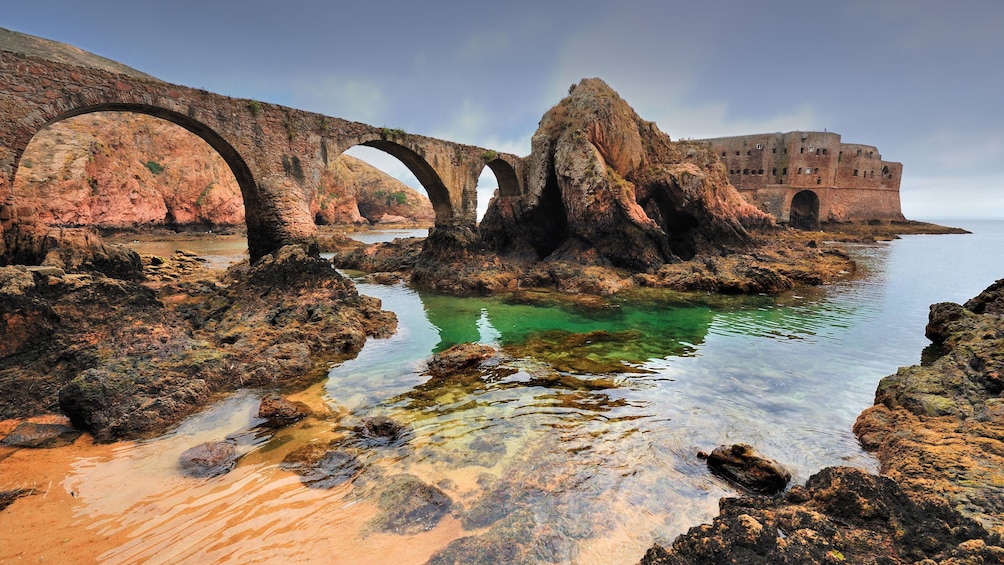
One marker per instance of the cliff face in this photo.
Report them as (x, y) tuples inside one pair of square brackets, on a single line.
[(607, 187), (119, 169)]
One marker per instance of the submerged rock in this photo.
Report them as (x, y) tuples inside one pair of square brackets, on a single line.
[(280, 412), (383, 431), (410, 506), (209, 459), (30, 434), (323, 466), (463, 357), (7, 497), (741, 464)]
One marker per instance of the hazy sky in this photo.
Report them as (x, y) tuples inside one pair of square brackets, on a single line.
[(923, 80)]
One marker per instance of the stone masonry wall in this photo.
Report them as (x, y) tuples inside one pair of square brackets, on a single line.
[(851, 181)]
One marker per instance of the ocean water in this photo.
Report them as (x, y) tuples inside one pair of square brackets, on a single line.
[(587, 430)]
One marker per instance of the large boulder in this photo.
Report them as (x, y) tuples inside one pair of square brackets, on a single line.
[(606, 187)]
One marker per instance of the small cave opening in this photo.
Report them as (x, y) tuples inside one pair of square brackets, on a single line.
[(548, 225), (679, 225)]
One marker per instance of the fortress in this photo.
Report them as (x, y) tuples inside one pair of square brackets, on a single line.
[(803, 178)]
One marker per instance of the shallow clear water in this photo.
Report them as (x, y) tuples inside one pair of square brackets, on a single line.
[(610, 435)]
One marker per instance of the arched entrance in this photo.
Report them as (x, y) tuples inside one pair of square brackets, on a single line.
[(804, 213)]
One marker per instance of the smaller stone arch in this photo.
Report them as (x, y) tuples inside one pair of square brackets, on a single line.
[(804, 211), (439, 194), (506, 175)]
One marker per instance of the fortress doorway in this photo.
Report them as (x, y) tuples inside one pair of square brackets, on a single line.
[(804, 213)]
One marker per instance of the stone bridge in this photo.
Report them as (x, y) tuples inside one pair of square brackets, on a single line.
[(276, 153)]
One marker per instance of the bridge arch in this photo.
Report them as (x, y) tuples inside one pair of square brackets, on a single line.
[(237, 164), (804, 211), (430, 180), (505, 174)]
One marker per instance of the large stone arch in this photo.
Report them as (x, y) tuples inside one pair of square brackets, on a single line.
[(804, 210), (233, 159)]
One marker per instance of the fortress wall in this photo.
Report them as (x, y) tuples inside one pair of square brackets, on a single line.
[(860, 166), (862, 204), (851, 180), (749, 159), (812, 158)]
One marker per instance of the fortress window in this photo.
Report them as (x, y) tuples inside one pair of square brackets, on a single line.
[(773, 149), (859, 152), (774, 171), (784, 171), (759, 172), (723, 153), (840, 156), (785, 150), (872, 175), (825, 152), (817, 151), (855, 172), (869, 153), (808, 170), (811, 148), (749, 152), (885, 170), (759, 145), (746, 171), (737, 152), (802, 150)]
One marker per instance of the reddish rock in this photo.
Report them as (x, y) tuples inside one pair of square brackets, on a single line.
[(601, 178)]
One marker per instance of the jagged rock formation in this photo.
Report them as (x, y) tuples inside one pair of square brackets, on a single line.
[(606, 187), (114, 169), (841, 515), (122, 359), (939, 427)]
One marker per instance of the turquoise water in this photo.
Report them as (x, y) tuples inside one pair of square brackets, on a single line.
[(589, 426), (788, 375)]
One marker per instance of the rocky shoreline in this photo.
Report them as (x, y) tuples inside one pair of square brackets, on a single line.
[(938, 432), (126, 346)]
